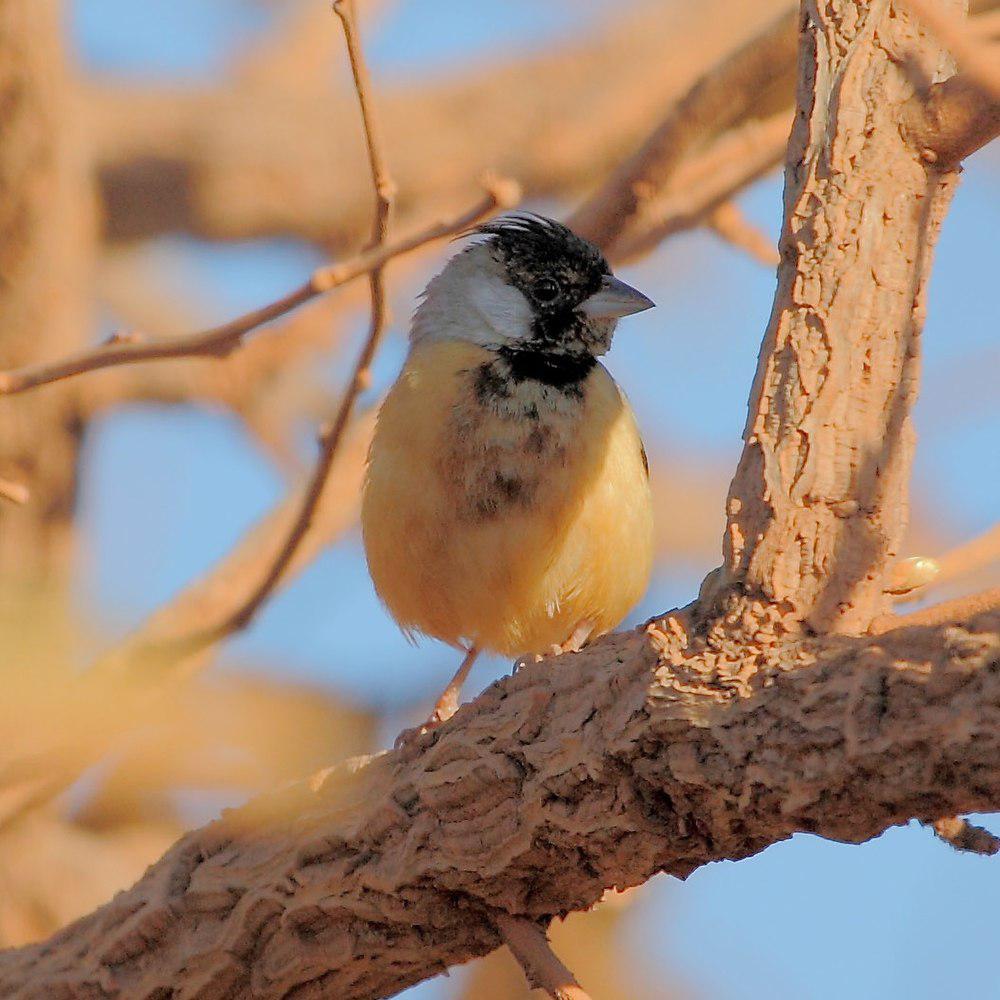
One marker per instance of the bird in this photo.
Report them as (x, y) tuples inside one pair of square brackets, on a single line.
[(506, 505)]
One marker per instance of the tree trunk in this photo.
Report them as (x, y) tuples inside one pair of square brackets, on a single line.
[(818, 506)]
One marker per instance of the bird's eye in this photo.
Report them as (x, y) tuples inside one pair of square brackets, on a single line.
[(546, 290)]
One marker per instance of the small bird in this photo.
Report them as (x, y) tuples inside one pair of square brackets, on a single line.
[(506, 505)]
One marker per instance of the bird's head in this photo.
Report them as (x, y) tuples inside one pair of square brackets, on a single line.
[(529, 284)]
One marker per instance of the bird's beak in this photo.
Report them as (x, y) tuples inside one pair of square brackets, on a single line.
[(615, 299)]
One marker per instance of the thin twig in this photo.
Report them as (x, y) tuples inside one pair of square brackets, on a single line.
[(221, 341), (973, 56), (542, 967), (14, 491), (332, 434), (959, 610)]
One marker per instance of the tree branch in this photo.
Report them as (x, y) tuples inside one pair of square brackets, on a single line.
[(578, 774), (722, 97), (818, 505), (954, 32), (940, 614), (729, 223), (221, 340), (332, 436), (955, 119), (705, 181), (542, 967)]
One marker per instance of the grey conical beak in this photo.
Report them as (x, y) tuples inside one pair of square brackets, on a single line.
[(615, 299)]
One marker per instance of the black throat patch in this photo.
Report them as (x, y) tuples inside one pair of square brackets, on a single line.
[(560, 370)]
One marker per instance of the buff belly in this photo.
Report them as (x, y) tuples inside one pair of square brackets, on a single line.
[(505, 515)]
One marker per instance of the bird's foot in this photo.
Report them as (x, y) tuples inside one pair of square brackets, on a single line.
[(580, 637), (446, 707)]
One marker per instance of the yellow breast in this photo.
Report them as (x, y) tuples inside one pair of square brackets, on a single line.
[(504, 516)]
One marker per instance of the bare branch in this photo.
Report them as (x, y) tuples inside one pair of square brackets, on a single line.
[(704, 182), (958, 610), (239, 159), (222, 340), (955, 120), (970, 557), (724, 96), (542, 967), (331, 436), (594, 770)]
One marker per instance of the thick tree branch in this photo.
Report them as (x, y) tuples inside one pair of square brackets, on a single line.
[(955, 119), (818, 505), (649, 752)]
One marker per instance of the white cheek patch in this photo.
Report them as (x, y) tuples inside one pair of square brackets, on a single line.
[(501, 308), (472, 300)]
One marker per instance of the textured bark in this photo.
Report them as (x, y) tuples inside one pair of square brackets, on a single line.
[(817, 508), (594, 770)]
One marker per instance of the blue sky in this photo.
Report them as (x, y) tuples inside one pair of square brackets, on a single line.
[(900, 917)]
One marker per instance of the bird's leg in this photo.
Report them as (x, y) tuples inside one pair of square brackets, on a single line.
[(579, 638), (447, 703)]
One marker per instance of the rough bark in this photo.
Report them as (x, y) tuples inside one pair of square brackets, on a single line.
[(817, 508), (591, 771)]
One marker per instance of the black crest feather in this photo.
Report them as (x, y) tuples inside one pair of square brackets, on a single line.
[(532, 246), (534, 233)]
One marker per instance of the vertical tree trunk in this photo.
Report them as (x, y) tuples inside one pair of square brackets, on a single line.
[(46, 236), (817, 507)]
